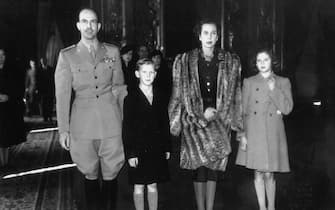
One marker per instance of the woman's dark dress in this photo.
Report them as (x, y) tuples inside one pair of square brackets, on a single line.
[(12, 129), (146, 136)]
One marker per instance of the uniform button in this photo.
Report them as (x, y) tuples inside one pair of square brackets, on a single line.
[(95, 67), (95, 77), (208, 83), (255, 112), (257, 89), (209, 90), (256, 102), (270, 114), (97, 96), (96, 87)]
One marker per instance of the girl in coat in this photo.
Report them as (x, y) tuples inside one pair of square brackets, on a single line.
[(266, 98), (146, 136)]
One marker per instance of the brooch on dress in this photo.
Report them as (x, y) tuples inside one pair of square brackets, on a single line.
[(107, 59)]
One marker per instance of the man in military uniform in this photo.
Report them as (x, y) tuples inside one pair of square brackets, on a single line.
[(89, 98)]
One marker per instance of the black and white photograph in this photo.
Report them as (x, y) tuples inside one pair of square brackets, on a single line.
[(167, 105)]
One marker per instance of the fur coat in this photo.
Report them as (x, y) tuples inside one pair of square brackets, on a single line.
[(205, 143)]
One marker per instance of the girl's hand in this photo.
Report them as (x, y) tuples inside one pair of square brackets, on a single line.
[(243, 143), (271, 83), (167, 155), (209, 113), (133, 162)]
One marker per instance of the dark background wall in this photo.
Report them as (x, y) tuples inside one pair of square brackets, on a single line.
[(308, 28)]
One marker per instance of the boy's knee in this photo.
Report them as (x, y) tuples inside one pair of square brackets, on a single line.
[(138, 189), (152, 187)]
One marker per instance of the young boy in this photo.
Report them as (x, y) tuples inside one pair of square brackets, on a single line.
[(146, 136)]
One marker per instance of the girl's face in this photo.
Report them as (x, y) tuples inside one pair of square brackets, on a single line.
[(209, 35), (157, 60), (263, 62), (146, 74)]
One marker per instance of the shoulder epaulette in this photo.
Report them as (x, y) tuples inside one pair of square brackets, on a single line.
[(68, 48), (109, 45)]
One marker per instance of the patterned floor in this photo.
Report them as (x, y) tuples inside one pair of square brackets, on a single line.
[(309, 186)]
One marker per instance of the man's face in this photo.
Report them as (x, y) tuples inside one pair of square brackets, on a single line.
[(2, 56), (88, 25)]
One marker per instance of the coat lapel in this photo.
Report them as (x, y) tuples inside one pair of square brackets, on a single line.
[(193, 79)]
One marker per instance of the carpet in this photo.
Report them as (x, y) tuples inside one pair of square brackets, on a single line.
[(48, 190)]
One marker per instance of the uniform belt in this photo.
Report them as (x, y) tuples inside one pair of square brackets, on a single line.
[(94, 95)]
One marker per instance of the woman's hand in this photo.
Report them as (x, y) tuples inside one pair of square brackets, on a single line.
[(167, 155), (209, 113), (243, 143), (133, 162)]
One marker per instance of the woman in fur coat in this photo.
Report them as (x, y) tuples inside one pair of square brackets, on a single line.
[(205, 106)]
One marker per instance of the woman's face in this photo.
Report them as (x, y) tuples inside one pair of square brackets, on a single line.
[(157, 60), (209, 35), (127, 56), (263, 62), (2, 57)]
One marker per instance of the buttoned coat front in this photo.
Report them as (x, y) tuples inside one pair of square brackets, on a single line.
[(263, 112), (89, 92)]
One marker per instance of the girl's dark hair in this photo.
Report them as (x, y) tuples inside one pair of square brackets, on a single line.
[(274, 61), (197, 28), (143, 61)]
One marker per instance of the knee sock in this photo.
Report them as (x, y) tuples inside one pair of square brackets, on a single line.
[(152, 198), (138, 196)]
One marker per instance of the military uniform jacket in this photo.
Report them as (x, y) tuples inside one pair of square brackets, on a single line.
[(89, 92)]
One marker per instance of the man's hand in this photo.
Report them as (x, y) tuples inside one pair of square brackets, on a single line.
[(3, 97), (64, 140), (243, 143), (209, 113), (167, 155), (133, 162)]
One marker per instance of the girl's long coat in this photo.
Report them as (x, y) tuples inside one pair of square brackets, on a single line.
[(263, 111), (205, 143)]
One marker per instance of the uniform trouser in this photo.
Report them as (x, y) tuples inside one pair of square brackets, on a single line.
[(92, 155)]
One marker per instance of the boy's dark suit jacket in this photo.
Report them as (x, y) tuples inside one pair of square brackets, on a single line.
[(145, 127)]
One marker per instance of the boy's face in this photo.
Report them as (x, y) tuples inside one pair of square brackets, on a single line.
[(146, 74)]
